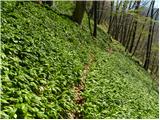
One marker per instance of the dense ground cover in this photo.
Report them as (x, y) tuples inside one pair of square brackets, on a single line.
[(118, 88), (43, 53)]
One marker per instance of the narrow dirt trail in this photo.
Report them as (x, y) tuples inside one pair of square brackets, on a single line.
[(78, 89)]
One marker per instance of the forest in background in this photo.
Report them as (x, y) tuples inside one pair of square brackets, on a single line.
[(135, 24)]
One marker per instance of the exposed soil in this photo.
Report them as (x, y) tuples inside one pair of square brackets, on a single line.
[(79, 99)]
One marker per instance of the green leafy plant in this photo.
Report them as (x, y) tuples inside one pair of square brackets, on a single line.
[(43, 54)]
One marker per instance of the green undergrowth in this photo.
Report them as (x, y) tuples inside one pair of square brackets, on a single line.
[(118, 88), (43, 53)]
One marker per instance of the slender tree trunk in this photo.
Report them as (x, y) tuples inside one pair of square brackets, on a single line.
[(149, 43), (156, 69), (131, 27), (116, 20), (95, 19), (89, 21), (135, 28), (98, 11), (123, 20), (110, 18), (129, 35), (79, 11), (141, 32), (153, 62), (119, 25), (152, 34), (101, 11), (126, 28), (124, 31)]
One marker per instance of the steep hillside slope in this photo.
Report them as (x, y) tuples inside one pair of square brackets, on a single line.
[(43, 57)]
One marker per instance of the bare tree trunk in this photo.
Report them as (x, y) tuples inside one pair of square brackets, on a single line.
[(116, 20), (129, 35), (123, 20), (79, 11), (135, 29), (119, 25), (48, 2), (89, 14), (101, 11), (126, 28), (98, 10), (156, 69), (150, 39), (141, 32), (110, 18), (95, 19), (153, 62)]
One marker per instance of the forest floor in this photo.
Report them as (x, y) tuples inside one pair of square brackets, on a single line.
[(79, 99), (53, 68)]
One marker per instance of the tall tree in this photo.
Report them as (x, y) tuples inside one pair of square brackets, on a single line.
[(111, 17), (48, 2), (95, 18), (115, 25), (79, 11), (126, 24), (101, 11), (89, 14), (136, 46), (135, 27), (131, 28), (150, 39), (119, 23), (124, 19)]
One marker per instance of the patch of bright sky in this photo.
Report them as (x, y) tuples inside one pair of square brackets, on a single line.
[(157, 3)]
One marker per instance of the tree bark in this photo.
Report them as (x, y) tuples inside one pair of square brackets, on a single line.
[(129, 35), (126, 25), (48, 2), (102, 3), (110, 18), (95, 19), (135, 29), (141, 32), (150, 39), (114, 32), (79, 11)]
